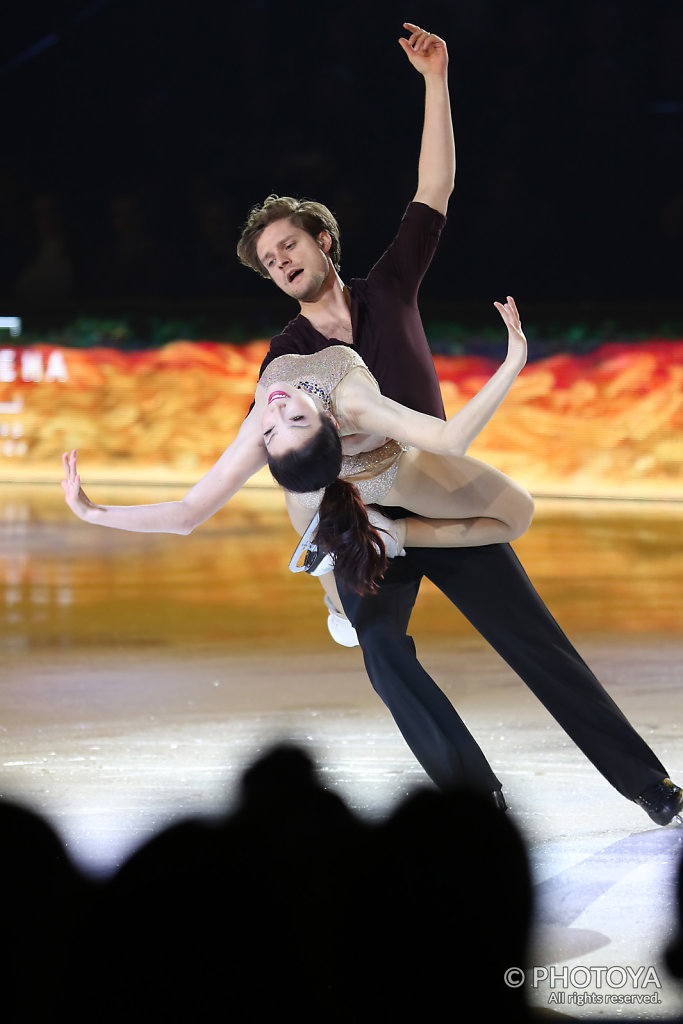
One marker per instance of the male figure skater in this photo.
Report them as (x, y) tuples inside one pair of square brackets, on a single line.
[(296, 245)]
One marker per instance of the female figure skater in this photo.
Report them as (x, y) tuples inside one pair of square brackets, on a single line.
[(306, 407), (336, 443)]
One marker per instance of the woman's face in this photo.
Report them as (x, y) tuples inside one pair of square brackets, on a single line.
[(290, 419)]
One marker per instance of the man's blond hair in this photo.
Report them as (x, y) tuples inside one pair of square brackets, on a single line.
[(306, 214)]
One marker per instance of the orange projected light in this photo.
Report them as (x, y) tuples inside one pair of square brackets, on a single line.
[(606, 424)]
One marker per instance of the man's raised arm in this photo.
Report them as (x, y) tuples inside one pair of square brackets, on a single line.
[(436, 168)]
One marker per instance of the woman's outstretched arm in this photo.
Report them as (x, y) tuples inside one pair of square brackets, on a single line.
[(373, 413), (422, 532), (469, 421), (240, 460), (475, 532)]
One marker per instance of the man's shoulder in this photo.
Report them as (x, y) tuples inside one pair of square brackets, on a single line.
[(421, 212), (420, 225), (408, 255)]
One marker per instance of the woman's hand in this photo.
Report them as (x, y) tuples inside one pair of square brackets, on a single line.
[(393, 532), (462, 428), (517, 347), (76, 498)]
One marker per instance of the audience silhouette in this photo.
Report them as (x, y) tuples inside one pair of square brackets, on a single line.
[(673, 954), (291, 901), (45, 904), (238, 911), (286, 904)]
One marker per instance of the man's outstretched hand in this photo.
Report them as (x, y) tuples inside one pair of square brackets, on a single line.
[(425, 51)]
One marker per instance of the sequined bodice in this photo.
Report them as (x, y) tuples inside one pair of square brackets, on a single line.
[(372, 473), (319, 373)]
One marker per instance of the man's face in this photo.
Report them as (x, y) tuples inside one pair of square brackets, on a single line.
[(295, 261)]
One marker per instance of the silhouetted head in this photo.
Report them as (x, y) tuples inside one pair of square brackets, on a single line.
[(673, 955)]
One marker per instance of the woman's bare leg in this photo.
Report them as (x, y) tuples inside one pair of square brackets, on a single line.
[(459, 501)]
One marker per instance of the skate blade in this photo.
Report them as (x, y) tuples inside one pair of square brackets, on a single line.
[(297, 561)]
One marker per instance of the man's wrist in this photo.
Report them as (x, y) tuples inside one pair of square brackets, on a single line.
[(436, 78)]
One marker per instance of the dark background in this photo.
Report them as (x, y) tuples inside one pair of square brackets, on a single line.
[(138, 134)]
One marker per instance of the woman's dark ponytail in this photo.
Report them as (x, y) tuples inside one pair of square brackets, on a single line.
[(345, 531)]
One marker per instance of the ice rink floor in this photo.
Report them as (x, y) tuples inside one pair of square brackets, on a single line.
[(140, 676)]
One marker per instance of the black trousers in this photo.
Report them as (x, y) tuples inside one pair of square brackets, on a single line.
[(491, 589)]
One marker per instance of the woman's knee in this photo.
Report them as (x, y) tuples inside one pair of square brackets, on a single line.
[(522, 509)]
